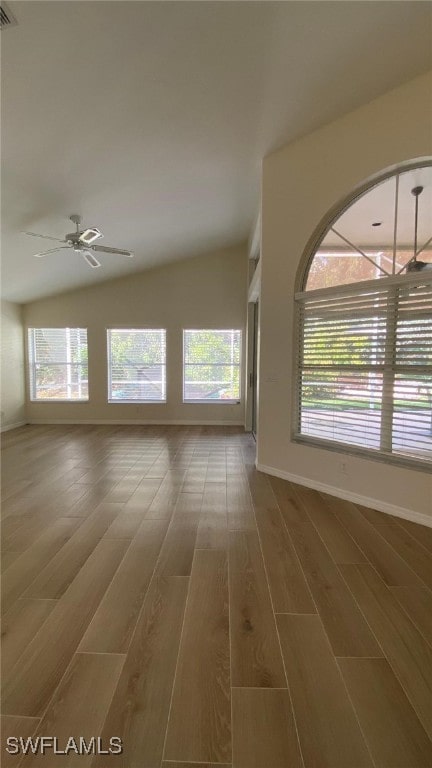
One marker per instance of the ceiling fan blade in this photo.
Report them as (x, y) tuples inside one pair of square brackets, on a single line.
[(90, 259), (45, 237), (106, 249), (52, 250)]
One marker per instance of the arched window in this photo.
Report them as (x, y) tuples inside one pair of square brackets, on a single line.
[(364, 321)]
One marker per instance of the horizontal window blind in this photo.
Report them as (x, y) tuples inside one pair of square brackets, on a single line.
[(364, 368), (137, 365), (58, 360), (211, 365)]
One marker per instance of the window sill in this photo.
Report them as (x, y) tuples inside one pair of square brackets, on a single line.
[(57, 400), (137, 402), (364, 453), (212, 402)]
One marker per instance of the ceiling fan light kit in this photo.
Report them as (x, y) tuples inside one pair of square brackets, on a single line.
[(81, 241), (90, 235)]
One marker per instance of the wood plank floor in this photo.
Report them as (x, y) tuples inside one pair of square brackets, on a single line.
[(159, 589)]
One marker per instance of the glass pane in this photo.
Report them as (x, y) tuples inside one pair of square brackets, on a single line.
[(138, 364), (210, 346), (337, 264), (61, 382), (137, 347), (138, 383), (212, 364), (59, 345), (344, 407), (211, 382), (344, 341), (368, 224), (412, 416)]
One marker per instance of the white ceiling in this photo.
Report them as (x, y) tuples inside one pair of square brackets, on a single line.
[(151, 118)]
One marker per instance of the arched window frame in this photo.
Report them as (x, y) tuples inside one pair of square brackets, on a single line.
[(390, 288)]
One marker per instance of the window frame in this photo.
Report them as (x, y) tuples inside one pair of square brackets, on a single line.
[(31, 363), (216, 401), (134, 401), (300, 289)]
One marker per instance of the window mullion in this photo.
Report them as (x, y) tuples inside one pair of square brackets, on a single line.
[(386, 442)]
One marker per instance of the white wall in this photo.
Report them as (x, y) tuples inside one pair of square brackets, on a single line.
[(301, 182), (204, 292), (12, 366)]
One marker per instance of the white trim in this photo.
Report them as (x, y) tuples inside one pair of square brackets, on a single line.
[(356, 498), (17, 424), (377, 285), (255, 285), (211, 402), (58, 400), (143, 422), (254, 243), (119, 401)]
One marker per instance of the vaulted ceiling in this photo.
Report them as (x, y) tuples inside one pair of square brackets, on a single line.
[(151, 119)]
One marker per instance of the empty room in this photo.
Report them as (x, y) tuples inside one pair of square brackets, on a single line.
[(216, 384)]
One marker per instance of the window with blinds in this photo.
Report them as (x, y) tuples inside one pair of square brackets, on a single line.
[(137, 365), (58, 361), (211, 365), (365, 366)]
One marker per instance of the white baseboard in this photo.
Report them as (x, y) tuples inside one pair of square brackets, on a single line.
[(356, 498), (142, 422), (17, 424)]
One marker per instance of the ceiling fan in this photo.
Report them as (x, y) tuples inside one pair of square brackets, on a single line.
[(82, 241)]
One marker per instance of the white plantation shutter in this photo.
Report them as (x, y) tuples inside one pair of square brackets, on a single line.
[(137, 365), (365, 366), (58, 363)]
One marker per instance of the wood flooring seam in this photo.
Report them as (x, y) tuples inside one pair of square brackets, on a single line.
[(293, 613), (311, 519), (230, 644), (145, 594), (380, 537), (359, 608), (99, 653), (278, 637), (294, 548), (259, 687), (388, 659), (303, 505), (427, 637), (356, 714), (403, 528), (177, 661), (71, 659), (338, 566)]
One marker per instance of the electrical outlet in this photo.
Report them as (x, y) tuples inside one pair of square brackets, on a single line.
[(343, 467)]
